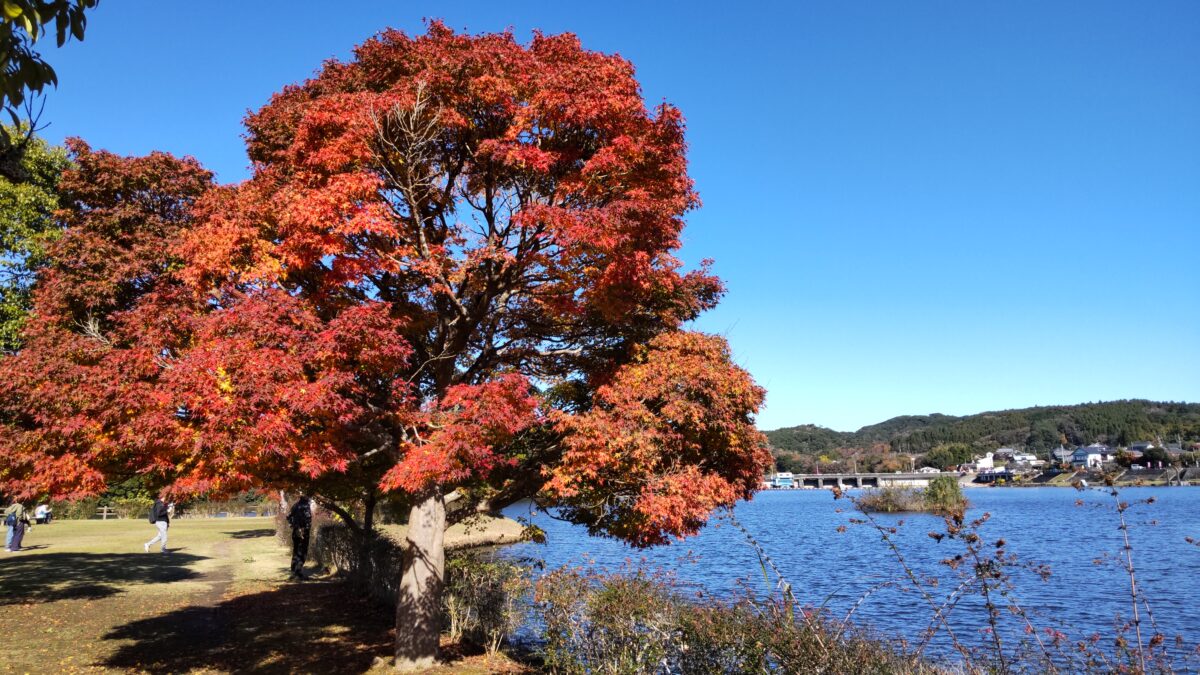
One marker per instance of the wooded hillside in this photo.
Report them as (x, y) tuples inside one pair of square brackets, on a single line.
[(1117, 423)]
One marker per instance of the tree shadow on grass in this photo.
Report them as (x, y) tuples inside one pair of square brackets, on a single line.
[(250, 534), (317, 627), (50, 577)]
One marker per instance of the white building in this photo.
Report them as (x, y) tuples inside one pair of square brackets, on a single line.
[(985, 463)]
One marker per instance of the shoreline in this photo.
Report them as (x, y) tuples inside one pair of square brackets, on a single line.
[(972, 485), (481, 530)]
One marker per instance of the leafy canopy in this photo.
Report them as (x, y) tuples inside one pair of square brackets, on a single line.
[(22, 23), (24, 74), (27, 226)]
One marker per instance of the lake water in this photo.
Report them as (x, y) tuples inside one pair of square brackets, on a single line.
[(799, 530)]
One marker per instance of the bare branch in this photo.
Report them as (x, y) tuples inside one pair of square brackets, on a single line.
[(90, 327)]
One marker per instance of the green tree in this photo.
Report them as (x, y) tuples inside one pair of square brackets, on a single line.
[(944, 495), (1043, 435), (1157, 455), (27, 225), (24, 74), (791, 462), (946, 455)]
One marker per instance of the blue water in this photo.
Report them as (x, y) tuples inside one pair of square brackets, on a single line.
[(799, 530)]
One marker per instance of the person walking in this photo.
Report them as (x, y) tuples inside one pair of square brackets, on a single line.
[(17, 520), (300, 518), (162, 520), (10, 523)]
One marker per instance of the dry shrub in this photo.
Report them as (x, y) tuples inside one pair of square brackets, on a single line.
[(485, 598), (370, 563), (891, 500), (80, 509), (617, 624)]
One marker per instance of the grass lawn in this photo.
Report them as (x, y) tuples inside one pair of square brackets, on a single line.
[(84, 597)]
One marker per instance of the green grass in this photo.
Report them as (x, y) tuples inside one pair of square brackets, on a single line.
[(1062, 479)]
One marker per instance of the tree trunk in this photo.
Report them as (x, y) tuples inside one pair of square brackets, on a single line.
[(369, 512), (419, 600), (370, 574)]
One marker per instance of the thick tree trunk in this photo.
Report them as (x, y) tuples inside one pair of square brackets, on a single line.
[(419, 600)]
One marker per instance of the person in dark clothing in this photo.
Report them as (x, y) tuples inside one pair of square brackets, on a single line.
[(300, 518), (161, 518), (17, 521)]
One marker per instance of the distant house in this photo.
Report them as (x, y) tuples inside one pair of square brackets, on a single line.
[(994, 476), (1025, 460), (1005, 454), (1141, 447), (1061, 455), (783, 479), (1092, 456), (928, 469), (985, 463)]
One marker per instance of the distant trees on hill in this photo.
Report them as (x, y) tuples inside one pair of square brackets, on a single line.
[(950, 454), (946, 440)]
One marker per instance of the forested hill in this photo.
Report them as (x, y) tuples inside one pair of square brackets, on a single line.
[(1117, 423)]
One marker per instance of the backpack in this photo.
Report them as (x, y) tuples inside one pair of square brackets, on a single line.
[(11, 519)]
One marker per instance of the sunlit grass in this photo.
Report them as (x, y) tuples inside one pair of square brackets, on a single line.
[(84, 597)]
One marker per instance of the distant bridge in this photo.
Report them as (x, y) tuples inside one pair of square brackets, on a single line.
[(860, 480)]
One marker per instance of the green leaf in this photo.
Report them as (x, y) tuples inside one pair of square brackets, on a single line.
[(78, 23)]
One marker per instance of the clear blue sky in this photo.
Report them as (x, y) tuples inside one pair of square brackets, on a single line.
[(917, 206)]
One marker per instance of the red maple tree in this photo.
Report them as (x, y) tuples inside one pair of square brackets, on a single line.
[(78, 404), (449, 284)]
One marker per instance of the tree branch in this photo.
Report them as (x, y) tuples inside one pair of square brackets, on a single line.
[(345, 515)]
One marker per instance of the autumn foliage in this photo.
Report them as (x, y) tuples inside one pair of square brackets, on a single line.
[(448, 284), (666, 440), (79, 401), (449, 280)]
